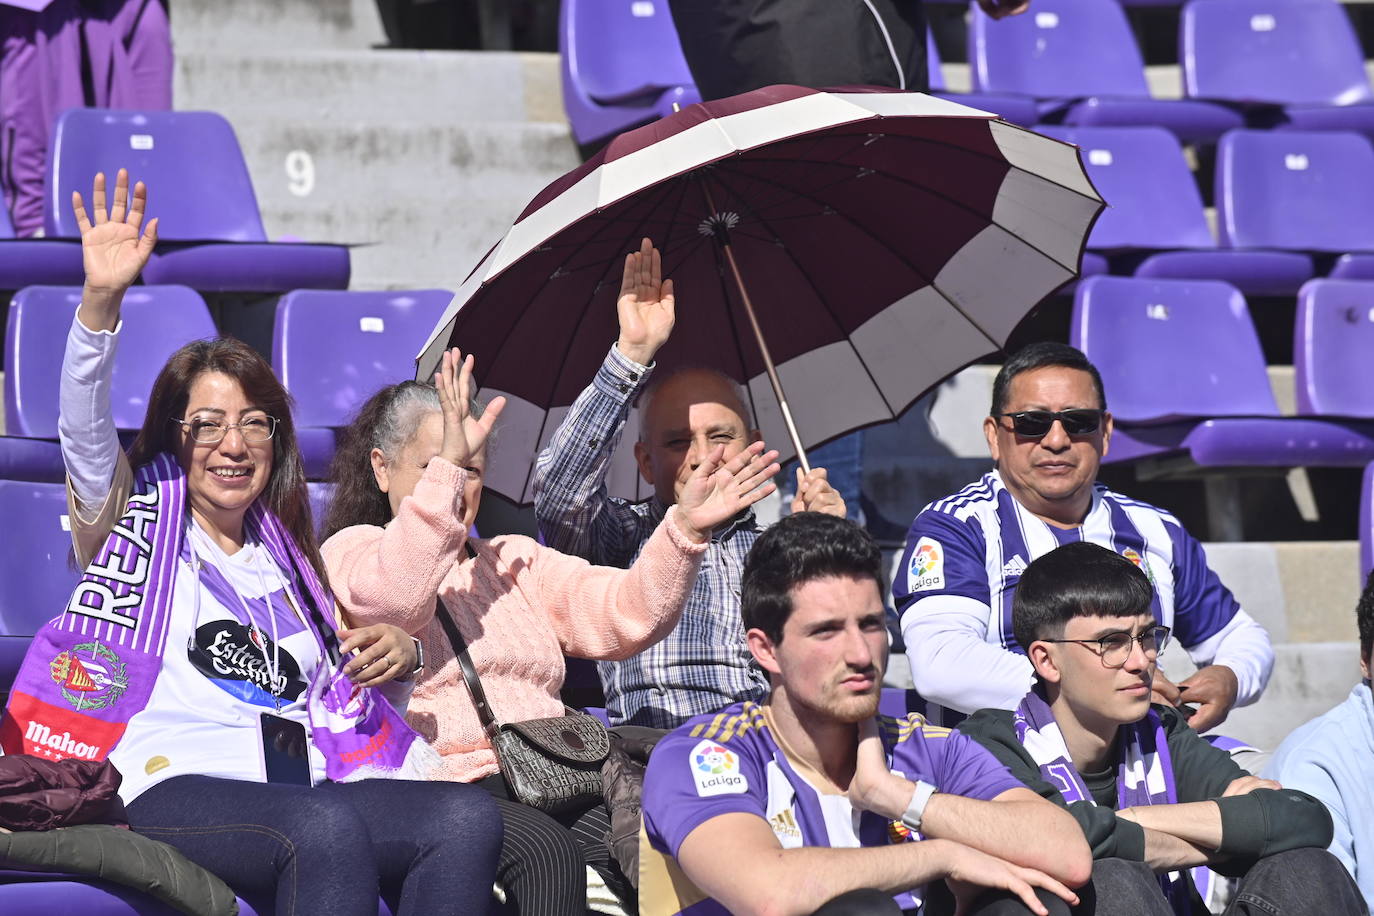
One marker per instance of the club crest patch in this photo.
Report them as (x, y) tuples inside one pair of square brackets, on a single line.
[(716, 771), (926, 569), (90, 676), (1143, 564)]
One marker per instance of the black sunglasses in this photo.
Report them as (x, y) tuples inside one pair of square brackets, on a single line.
[(1036, 424)]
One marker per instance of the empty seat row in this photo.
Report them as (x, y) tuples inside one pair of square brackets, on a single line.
[(1290, 205), (331, 350), (1258, 63), (1188, 378), (210, 231)]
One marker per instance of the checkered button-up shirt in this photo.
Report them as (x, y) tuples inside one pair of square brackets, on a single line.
[(703, 665)]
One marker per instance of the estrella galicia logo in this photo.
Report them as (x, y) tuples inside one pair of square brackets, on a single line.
[(232, 657)]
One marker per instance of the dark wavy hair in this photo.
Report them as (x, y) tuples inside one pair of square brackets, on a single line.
[(285, 493), (387, 421), (795, 550)]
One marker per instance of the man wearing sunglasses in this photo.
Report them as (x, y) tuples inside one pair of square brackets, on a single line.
[(965, 554), (1152, 797)]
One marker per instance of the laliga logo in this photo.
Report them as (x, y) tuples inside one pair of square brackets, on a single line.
[(927, 566), (716, 771), (924, 560), (714, 759)]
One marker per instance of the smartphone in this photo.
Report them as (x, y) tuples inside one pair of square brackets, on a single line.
[(285, 750)]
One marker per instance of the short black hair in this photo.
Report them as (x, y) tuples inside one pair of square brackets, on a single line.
[(1038, 356), (797, 549), (1079, 579), (1364, 616)]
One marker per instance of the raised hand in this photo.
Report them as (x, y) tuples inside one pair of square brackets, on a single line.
[(718, 490), (464, 434), (815, 494), (645, 306), (112, 250)]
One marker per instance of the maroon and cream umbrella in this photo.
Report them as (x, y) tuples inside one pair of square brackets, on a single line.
[(837, 252)]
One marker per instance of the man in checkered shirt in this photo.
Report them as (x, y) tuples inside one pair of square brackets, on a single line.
[(704, 664)]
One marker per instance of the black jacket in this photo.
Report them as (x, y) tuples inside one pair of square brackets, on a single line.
[(1260, 823)]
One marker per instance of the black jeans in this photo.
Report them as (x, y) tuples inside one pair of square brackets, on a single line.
[(432, 846), (1299, 882)]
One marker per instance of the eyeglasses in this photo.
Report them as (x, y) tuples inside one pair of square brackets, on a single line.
[(253, 429), (1115, 648), (1036, 424)]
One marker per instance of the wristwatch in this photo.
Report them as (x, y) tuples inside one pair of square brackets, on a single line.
[(911, 817), (419, 656)]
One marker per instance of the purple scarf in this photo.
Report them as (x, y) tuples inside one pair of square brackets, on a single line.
[(1144, 776), (92, 669)]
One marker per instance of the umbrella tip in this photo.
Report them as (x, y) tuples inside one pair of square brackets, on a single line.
[(676, 107)]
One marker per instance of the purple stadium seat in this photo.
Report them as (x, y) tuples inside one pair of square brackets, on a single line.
[(1296, 190), (1301, 54), (157, 320), (25, 262), (1184, 372), (1367, 524), (1080, 58), (34, 565), (1333, 338), (332, 350), (1013, 108), (622, 66), (210, 232), (1154, 206)]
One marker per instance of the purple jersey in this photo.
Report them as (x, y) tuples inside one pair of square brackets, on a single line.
[(728, 762), (965, 554)]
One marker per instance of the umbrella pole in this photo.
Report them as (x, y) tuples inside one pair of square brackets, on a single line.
[(767, 357)]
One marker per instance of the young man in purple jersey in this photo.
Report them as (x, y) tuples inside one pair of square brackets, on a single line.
[(811, 803), (1047, 432), (1152, 797)]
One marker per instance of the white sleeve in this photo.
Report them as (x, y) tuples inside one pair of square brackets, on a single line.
[(1242, 645), (85, 422), (952, 663)]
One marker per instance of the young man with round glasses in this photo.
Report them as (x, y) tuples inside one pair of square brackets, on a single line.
[(1048, 431), (1153, 798)]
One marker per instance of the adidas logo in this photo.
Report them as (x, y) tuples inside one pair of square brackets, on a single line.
[(785, 825), (1014, 567)]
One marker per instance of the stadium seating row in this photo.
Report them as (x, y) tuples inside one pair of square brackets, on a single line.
[(1181, 358), (1257, 63), (211, 236), (331, 350)]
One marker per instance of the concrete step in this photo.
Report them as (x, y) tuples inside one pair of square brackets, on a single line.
[(1308, 679), (374, 87), (432, 198), (288, 25)]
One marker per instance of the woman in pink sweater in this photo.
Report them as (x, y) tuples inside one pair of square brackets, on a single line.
[(408, 482)]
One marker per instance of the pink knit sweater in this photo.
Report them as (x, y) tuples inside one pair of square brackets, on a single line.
[(519, 606)]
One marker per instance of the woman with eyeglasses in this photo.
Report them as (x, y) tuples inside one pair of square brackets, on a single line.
[(199, 652)]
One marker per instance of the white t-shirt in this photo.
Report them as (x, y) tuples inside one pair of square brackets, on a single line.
[(217, 675)]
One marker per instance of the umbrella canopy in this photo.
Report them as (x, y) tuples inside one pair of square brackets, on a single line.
[(886, 240)]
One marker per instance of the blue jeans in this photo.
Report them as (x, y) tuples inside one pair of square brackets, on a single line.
[(1299, 882), (431, 846)]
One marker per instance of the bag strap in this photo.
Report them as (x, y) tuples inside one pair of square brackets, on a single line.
[(460, 651)]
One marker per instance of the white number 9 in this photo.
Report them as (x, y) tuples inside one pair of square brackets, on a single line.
[(300, 172)]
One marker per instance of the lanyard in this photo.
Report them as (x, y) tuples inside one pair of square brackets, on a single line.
[(199, 541)]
